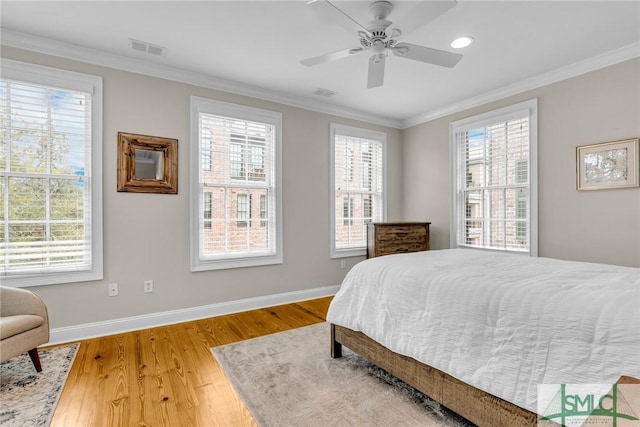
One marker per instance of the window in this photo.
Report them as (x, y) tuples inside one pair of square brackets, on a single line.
[(243, 209), (207, 210), (263, 210), (347, 211), (245, 168), (357, 187), (256, 163), (368, 211), (50, 175), (494, 202), (237, 162), (247, 157)]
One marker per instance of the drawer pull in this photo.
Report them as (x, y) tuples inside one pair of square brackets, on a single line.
[(402, 250), (402, 234)]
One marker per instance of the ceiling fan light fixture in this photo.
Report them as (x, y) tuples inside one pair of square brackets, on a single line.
[(380, 38), (461, 42)]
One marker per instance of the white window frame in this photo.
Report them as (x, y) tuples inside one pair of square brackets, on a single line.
[(521, 109), (344, 130), (226, 109), (69, 80)]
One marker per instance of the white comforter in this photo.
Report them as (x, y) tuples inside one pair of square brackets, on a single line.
[(500, 322)]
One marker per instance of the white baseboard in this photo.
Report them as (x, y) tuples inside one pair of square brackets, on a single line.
[(126, 324)]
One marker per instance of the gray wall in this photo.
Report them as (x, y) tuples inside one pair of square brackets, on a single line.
[(146, 236), (597, 226)]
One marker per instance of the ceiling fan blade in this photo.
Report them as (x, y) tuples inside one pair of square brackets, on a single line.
[(422, 13), (333, 56), (331, 13), (427, 54), (376, 70)]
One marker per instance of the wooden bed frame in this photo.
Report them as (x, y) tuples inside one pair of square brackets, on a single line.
[(473, 404)]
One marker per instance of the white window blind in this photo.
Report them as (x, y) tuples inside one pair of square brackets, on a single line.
[(48, 231), (237, 183), (493, 191), (357, 186)]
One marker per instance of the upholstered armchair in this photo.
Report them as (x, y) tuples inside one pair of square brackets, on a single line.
[(24, 324)]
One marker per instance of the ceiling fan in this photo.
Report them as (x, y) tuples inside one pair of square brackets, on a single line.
[(380, 38)]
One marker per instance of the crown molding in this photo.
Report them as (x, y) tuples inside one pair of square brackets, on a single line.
[(592, 64), (92, 56), (135, 65)]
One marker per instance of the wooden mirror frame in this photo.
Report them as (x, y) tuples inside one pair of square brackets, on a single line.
[(128, 143)]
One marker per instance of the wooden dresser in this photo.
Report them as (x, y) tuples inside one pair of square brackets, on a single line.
[(386, 238)]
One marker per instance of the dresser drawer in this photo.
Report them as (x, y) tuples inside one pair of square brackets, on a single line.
[(401, 234), (400, 248)]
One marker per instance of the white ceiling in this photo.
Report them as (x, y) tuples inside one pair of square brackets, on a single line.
[(254, 47)]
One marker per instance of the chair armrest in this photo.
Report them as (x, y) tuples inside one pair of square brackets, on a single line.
[(14, 301)]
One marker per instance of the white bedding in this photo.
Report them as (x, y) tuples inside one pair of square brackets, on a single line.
[(500, 322)]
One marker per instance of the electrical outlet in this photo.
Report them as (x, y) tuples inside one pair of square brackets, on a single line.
[(343, 264), (113, 289), (148, 285)]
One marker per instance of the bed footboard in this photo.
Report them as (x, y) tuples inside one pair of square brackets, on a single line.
[(475, 405)]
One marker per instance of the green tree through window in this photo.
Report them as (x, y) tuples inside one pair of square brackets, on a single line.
[(45, 193)]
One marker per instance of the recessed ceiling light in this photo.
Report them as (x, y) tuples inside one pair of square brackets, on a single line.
[(461, 42)]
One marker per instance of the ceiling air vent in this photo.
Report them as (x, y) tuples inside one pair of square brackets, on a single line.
[(324, 92), (149, 48)]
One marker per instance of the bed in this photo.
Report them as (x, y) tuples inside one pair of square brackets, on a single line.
[(478, 331)]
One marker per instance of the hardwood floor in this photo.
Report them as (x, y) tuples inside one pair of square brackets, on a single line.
[(167, 376)]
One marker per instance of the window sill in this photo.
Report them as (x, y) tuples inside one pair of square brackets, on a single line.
[(228, 263), (346, 253), (31, 279)]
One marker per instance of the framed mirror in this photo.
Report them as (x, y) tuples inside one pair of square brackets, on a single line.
[(147, 164)]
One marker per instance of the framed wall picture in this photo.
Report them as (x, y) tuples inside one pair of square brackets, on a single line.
[(608, 165)]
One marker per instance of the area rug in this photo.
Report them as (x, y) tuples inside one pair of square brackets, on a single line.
[(27, 397), (289, 379)]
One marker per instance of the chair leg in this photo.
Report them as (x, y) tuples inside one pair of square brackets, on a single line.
[(35, 358)]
